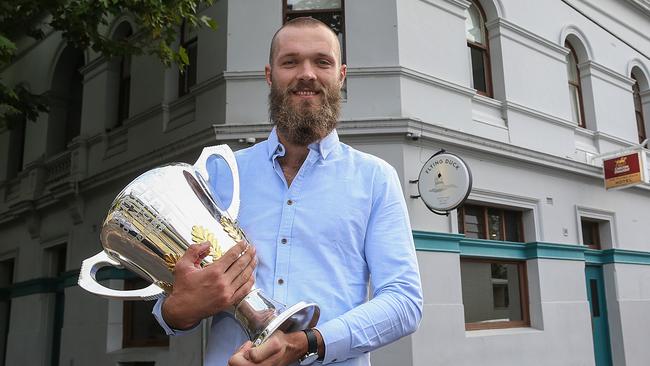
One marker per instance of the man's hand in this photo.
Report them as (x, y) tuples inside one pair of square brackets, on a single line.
[(202, 292), (279, 350)]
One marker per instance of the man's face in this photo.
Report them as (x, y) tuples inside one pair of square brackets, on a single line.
[(305, 79)]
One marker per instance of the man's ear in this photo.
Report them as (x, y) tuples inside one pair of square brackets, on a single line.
[(267, 74), (343, 73)]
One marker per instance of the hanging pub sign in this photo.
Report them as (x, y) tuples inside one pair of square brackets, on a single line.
[(624, 170), (444, 182)]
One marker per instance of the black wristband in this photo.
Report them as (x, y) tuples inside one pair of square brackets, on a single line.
[(312, 342)]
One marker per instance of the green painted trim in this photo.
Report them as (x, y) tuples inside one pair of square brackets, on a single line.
[(492, 249), (626, 256), (468, 247), (596, 257), (541, 250), (35, 286), (56, 284), (437, 242), (112, 273)]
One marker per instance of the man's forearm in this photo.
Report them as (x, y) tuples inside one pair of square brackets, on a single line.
[(174, 317)]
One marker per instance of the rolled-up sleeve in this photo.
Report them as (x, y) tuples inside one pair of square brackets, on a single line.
[(395, 309)]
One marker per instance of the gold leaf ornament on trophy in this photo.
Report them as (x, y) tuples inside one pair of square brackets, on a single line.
[(201, 235)]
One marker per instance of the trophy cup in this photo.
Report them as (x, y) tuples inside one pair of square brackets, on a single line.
[(153, 221)]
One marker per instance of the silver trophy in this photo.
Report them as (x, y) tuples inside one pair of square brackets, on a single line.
[(153, 221)]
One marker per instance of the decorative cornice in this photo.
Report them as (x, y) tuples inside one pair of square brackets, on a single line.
[(145, 115), (163, 154), (411, 74), (516, 33), (643, 5), (351, 72), (454, 7), (208, 84), (94, 68), (243, 75), (510, 105), (592, 68)]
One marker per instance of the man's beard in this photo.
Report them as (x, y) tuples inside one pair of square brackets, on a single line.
[(303, 123)]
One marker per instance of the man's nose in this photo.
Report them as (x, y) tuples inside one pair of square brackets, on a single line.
[(307, 71)]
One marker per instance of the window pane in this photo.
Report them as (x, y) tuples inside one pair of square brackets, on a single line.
[(313, 4), (590, 234), (636, 93), (474, 25), (141, 328), (332, 19), (478, 69), (494, 224), (572, 68), (513, 225), (192, 67), (474, 222), (490, 291), (575, 104)]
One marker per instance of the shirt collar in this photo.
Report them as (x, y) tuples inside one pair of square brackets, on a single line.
[(323, 147)]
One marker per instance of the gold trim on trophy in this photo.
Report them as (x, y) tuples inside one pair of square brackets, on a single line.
[(233, 230), (201, 235), (171, 259), (165, 286)]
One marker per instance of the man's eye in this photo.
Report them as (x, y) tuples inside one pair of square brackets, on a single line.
[(323, 62), (288, 62)]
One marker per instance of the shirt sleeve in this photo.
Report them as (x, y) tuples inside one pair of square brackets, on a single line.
[(157, 313), (395, 309)]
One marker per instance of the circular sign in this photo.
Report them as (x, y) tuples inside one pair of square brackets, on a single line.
[(444, 182)]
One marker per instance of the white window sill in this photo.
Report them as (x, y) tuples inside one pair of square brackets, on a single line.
[(500, 332)]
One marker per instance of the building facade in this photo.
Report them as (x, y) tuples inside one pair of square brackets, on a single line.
[(541, 266)]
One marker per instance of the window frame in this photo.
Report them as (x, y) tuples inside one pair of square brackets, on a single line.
[(127, 323), (578, 85), (191, 69), (595, 232), (638, 112), (124, 90), (524, 297), (308, 12), (486, 233), (485, 52)]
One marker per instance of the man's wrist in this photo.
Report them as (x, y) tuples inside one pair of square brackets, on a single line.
[(169, 312), (301, 344), (321, 344), (298, 344)]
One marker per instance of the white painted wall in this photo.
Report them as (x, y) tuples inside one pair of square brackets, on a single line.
[(408, 73)]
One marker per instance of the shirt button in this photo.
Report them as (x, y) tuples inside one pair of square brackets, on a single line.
[(283, 241), (289, 202), (280, 281)]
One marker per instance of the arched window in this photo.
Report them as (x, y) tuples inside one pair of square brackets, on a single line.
[(119, 85), (187, 78), (575, 87), (477, 42), (65, 95), (638, 110), (16, 148)]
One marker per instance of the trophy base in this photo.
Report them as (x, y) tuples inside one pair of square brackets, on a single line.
[(261, 316)]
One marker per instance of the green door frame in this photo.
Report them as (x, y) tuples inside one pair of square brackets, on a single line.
[(598, 312)]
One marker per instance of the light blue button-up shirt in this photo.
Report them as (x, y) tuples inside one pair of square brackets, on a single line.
[(346, 228)]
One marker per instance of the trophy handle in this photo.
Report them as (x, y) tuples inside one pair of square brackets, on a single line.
[(226, 153), (88, 282)]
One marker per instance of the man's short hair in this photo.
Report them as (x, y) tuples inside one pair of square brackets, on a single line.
[(301, 22)]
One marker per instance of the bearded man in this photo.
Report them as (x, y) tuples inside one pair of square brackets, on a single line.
[(323, 219)]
